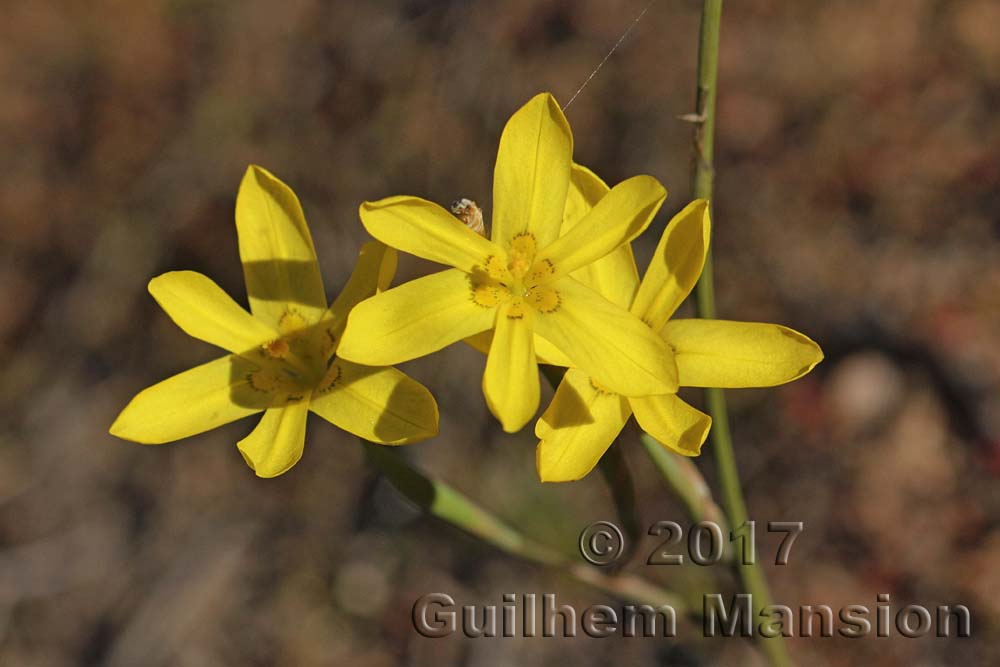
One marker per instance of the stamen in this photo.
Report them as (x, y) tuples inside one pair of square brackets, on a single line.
[(333, 374), (291, 321), (268, 379), (495, 270), (544, 298), (276, 349), (542, 271), (488, 295), (524, 244), (328, 343), (489, 283)]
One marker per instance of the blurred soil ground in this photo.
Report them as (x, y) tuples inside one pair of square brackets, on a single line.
[(858, 164)]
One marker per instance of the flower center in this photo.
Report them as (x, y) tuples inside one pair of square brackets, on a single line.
[(297, 363), (521, 282)]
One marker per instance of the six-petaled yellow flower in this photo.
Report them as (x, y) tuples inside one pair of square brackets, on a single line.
[(517, 283), (585, 417), (283, 357)]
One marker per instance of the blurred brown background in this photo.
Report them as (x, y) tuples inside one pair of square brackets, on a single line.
[(858, 201)]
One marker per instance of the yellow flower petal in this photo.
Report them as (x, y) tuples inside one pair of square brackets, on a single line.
[(577, 428), (387, 271), (200, 307), (375, 267), (613, 346), (585, 189), (276, 444), (676, 265), (189, 403), (414, 319), (379, 404), (510, 383), (614, 276), (721, 353), (424, 229), (481, 341), (618, 217), (532, 173), (279, 260), (674, 423), (545, 352)]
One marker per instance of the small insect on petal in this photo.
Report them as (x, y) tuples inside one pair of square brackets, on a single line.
[(470, 214)]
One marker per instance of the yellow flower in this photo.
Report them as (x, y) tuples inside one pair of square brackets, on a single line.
[(283, 357), (585, 417), (517, 282)]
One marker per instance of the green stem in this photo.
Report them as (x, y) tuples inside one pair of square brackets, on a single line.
[(686, 481), (751, 576), (447, 504), (704, 135)]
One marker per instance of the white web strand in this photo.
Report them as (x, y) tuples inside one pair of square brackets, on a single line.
[(614, 48)]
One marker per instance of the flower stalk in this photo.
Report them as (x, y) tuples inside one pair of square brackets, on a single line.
[(437, 498), (751, 576), (681, 474)]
